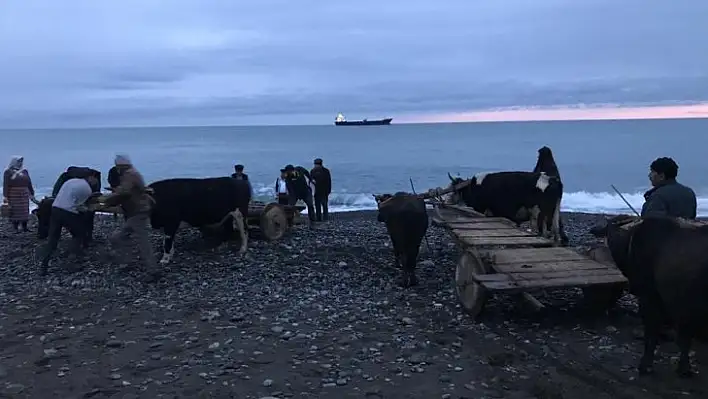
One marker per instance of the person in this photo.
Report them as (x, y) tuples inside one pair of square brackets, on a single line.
[(281, 188), (323, 188), (239, 175), (17, 192), (131, 195), (298, 182), (668, 197), (68, 212)]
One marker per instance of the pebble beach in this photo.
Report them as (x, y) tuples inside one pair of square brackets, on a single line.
[(317, 314)]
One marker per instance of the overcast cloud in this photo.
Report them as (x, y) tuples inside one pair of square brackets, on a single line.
[(173, 62)]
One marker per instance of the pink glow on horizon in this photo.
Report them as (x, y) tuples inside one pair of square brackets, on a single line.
[(565, 114)]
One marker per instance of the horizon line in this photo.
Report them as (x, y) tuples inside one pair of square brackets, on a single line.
[(505, 115)]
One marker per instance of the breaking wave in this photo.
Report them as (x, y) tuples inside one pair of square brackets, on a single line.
[(580, 201)]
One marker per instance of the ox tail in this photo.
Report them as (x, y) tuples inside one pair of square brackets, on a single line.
[(240, 225), (555, 226)]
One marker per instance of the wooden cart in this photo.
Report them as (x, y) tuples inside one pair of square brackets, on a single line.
[(270, 220), (499, 257)]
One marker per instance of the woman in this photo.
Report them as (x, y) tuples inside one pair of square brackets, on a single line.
[(17, 190)]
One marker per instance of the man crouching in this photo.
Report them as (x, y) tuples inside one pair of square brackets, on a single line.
[(407, 222), (67, 209)]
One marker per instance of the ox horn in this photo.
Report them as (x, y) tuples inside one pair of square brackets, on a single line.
[(452, 179)]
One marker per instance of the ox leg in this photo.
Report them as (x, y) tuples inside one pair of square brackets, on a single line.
[(651, 319), (684, 340), (556, 223), (168, 244), (240, 225), (410, 259), (397, 254)]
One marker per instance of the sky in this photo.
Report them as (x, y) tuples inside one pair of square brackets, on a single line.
[(75, 63)]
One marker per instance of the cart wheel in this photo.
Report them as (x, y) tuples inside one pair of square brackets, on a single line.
[(602, 297), (274, 222), (471, 294)]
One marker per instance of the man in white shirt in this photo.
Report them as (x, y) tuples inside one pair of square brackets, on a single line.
[(67, 213)]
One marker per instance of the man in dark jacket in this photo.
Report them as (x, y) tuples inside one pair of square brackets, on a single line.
[(668, 197), (323, 188), (239, 175), (298, 182)]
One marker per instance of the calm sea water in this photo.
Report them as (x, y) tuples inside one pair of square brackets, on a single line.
[(591, 155)]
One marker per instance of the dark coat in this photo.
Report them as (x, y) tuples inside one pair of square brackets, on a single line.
[(323, 180), (670, 199)]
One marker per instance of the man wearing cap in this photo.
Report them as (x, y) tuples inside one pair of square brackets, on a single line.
[(239, 175), (298, 182), (131, 195), (668, 197), (323, 188)]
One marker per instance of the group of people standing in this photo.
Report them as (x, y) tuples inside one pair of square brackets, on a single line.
[(296, 183)]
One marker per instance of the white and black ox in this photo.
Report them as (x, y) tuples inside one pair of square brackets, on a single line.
[(207, 203), (517, 196), (407, 222)]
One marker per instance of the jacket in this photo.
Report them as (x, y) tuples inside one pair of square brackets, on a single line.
[(131, 194), (670, 198), (298, 182), (323, 180)]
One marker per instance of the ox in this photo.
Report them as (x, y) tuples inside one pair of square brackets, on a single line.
[(546, 164), (200, 203), (407, 222), (666, 264), (517, 196), (44, 208)]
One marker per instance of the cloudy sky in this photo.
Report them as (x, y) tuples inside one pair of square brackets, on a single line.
[(176, 62)]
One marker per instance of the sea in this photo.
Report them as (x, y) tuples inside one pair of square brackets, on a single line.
[(364, 160)]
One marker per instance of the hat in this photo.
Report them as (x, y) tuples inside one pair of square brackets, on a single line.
[(238, 167), (122, 159), (289, 168), (283, 170), (318, 161)]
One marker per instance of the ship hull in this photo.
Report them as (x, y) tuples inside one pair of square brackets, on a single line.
[(378, 122)]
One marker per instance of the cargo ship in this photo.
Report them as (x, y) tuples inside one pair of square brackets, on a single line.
[(340, 120)]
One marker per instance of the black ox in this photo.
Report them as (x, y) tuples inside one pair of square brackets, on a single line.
[(407, 222), (201, 203), (666, 263), (44, 208), (517, 196)]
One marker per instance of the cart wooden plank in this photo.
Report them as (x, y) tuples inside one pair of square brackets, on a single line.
[(466, 210), (505, 241), (573, 266), (492, 233), (499, 283), (479, 226), (534, 255)]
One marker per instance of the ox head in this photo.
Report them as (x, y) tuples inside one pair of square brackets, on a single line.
[(461, 192), (618, 233), (546, 163), (381, 201)]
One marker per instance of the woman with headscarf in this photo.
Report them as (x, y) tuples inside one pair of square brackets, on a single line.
[(17, 191)]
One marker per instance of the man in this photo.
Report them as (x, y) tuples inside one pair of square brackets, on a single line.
[(136, 203), (298, 182), (239, 175), (323, 188), (667, 197), (66, 213), (281, 188)]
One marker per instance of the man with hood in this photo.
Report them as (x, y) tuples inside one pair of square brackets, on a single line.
[(131, 195)]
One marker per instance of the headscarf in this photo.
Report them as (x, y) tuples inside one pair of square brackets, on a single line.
[(15, 166), (123, 160)]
